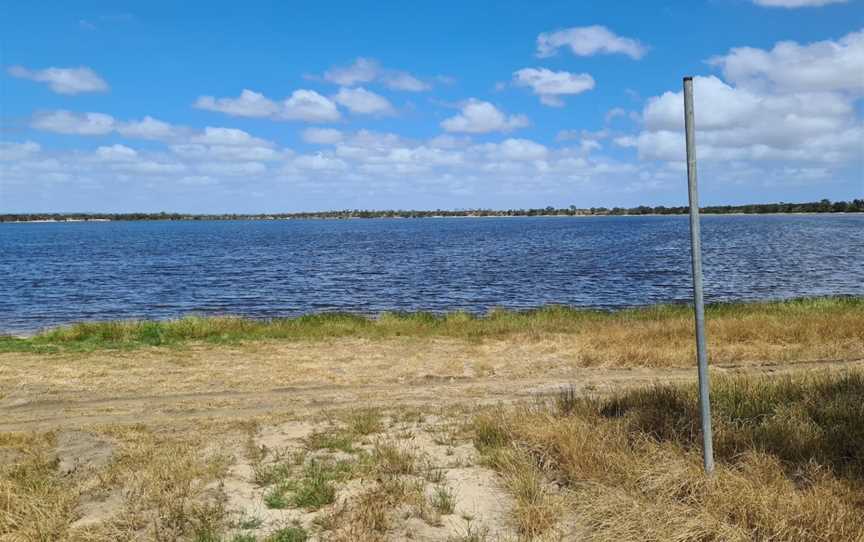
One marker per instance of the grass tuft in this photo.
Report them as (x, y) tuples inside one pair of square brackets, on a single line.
[(790, 465)]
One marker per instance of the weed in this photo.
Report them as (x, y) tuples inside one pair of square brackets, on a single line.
[(288, 534), (365, 421), (443, 500), (332, 440)]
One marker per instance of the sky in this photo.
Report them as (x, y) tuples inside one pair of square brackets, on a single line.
[(269, 106)]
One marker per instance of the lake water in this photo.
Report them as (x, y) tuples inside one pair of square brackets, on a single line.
[(57, 273)]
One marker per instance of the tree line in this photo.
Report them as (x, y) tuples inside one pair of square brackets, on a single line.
[(822, 206)]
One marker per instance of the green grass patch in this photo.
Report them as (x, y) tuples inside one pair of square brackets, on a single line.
[(815, 418), (313, 488), (90, 336), (334, 439), (288, 534)]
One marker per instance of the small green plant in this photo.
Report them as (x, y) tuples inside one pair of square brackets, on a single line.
[(316, 488), (244, 537), (331, 440), (434, 475), (276, 497), (365, 421), (472, 533), (443, 500), (289, 534), (249, 522), (389, 459), (265, 475), (489, 432)]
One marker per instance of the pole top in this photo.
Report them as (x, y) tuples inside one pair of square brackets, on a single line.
[(688, 78)]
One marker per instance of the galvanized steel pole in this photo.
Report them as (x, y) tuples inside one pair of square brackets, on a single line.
[(698, 301)]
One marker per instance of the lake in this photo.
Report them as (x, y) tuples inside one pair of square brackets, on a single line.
[(57, 273)]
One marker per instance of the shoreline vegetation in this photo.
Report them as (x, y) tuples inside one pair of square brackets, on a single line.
[(790, 465), (550, 424), (823, 206), (801, 320)]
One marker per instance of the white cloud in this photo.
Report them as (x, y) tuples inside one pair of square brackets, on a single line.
[(319, 162), (447, 141), (796, 3), (149, 128), (790, 67), (737, 123), (64, 80), (368, 70), (227, 152), (793, 103), (234, 169), (482, 117), (303, 105), (18, 151), (248, 104), (361, 101), (67, 122), (588, 41), (406, 81), (515, 149), (228, 136), (309, 106), (321, 136), (116, 153), (550, 85), (363, 70)]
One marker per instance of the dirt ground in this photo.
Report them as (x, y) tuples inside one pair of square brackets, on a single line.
[(255, 405)]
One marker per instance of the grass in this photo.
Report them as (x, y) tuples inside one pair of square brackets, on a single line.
[(313, 489), (790, 465), (793, 321), (289, 534), (443, 500), (331, 439)]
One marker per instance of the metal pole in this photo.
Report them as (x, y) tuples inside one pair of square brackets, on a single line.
[(698, 301)]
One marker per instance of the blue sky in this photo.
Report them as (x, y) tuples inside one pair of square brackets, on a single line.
[(287, 106)]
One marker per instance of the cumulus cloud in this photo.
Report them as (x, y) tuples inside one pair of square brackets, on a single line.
[(303, 105), (216, 143), (796, 3), (368, 70), (228, 136), (373, 161), (248, 104), (149, 128), (479, 117), (515, 149), (793, 103), (321, 136), (63, 80), (407, 82), (309, 106), (791, 67), (551, 85), (361, 101), (738, 123), (67, 122), (589, 41), (116, 153)]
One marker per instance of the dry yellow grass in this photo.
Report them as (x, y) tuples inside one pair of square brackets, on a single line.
[(143, 442), (632, 469)]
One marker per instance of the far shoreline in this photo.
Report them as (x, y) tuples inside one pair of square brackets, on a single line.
[(435, 217)]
